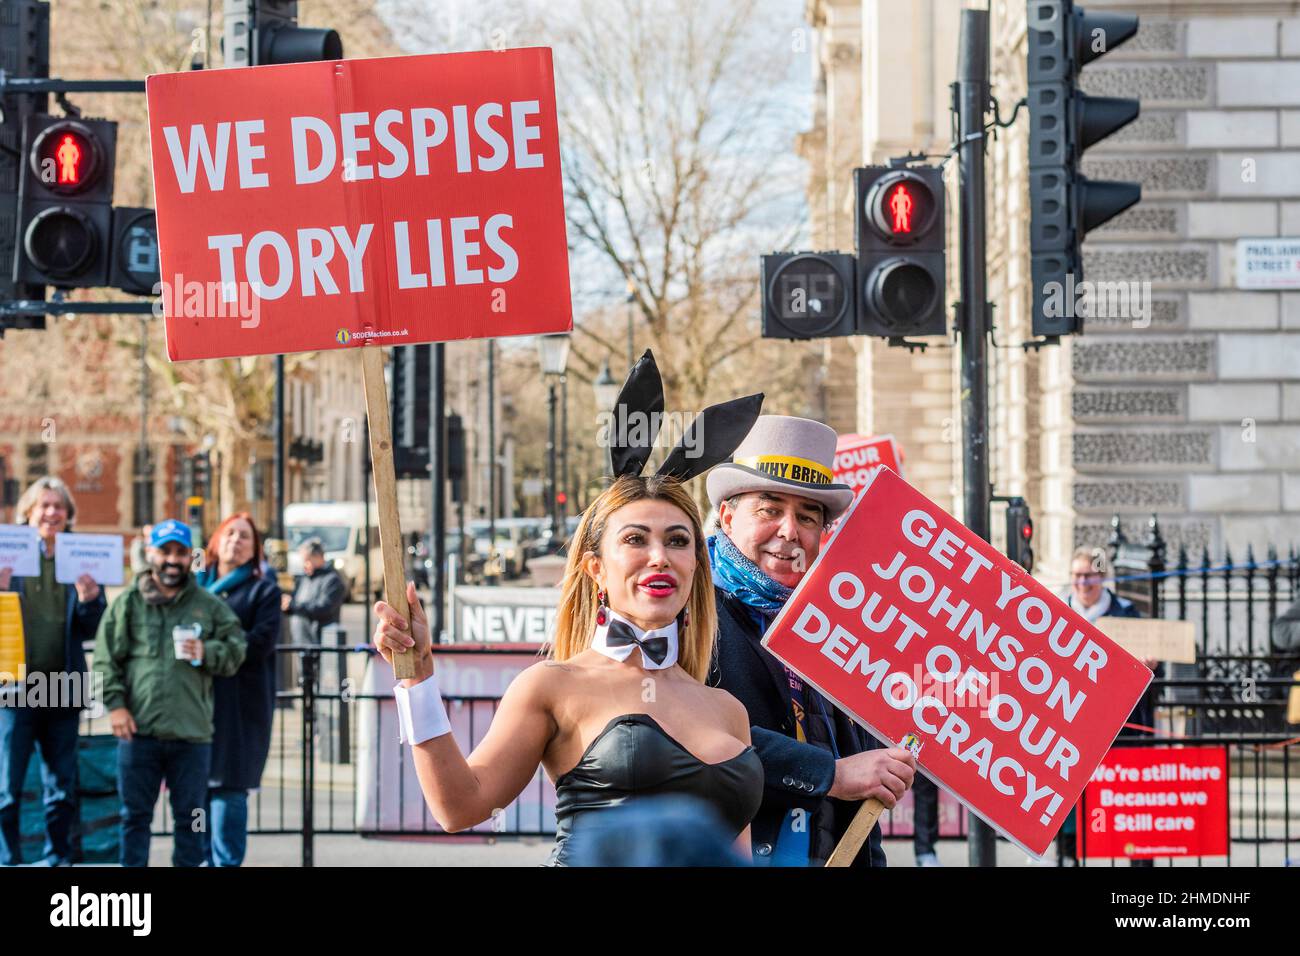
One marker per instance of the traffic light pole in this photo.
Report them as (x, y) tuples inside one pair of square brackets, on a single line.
[(972, 99), (437, 488), (278, 447)]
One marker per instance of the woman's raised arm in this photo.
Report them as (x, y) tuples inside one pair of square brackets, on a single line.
[(462, 792)]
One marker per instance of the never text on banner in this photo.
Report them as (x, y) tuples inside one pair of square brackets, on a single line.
[(386, 201), (1145, 802), (912, 624)]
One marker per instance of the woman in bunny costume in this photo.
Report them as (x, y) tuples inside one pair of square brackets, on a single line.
[(620, 712)]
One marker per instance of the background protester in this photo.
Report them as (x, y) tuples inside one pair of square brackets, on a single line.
[(1088, 595), (244, 703), (318, 595), (925, 820), (818, 764), (159, 646), (57, 619)]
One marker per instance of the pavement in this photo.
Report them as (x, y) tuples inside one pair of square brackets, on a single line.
[(532, 851)]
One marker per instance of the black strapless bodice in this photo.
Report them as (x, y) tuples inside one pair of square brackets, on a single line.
[(634, 757)]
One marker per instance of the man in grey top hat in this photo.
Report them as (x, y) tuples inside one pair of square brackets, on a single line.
[(774, 500)]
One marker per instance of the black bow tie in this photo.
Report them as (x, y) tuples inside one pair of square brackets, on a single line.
[(621, 635)]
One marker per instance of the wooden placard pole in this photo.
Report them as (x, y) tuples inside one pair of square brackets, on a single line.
[(390, 529), (846, 851)]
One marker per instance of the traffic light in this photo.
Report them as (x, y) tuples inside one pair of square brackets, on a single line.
[(202, 475), (1020, 533), (901, 260), (1063, 122), (65, 201), (412, 367), (134, 265), (807, 295), (24, 52), (456, 457), (264, 32)]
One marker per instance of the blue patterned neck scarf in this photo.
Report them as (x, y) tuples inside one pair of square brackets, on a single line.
[(209, 580), (737, 575)]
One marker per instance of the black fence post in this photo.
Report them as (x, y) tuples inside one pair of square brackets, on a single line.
[(1205, 609), (344, 730), (309, 659), (1155, 563), (1116, 540), (1251, 567), (1228, 568), (1271, 577), (1182, 582)]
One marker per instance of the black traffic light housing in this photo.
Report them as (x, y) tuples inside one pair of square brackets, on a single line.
[(24, 52), (265, 32), (412, 371), (456, 458), (1020, 533), (65, 202), (1064, 204), (808, 295), (901, 228), (134, 265)]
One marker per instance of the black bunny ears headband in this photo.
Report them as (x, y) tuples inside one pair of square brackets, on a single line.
[(710, 439)]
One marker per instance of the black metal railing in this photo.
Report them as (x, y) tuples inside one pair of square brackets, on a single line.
[(323, 777), (334, 767)]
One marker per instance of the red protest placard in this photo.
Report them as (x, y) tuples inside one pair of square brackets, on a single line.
[(326, 205), (913, 625), (1145, 802), (858, 456)]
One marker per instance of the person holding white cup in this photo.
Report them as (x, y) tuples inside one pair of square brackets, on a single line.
[(159, 646)]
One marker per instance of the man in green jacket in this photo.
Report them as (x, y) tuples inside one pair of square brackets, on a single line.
[(159, 645)]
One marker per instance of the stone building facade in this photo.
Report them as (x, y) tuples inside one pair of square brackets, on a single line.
[(1189, 409)]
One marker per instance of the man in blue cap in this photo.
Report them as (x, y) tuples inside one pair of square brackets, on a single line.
[(159, 646)]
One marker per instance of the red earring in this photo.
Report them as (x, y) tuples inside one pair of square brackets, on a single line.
[(686, 619), (601, 616)]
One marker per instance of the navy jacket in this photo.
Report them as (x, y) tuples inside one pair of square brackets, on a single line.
[(80, 621), (795, 774), (244, 704)]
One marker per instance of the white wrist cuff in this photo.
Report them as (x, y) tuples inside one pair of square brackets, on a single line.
[(421, 714)]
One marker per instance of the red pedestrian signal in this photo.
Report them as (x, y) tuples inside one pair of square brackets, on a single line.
[(66, 157), (69, 156), (901, 245), (901, 204), (65, 203)]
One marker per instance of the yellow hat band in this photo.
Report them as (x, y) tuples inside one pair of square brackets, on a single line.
[(789, 468)]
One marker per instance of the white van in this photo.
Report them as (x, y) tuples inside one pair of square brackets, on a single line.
[(341, 526)]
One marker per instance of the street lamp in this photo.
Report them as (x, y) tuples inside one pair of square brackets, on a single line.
[(553, 353), (606, 388)]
